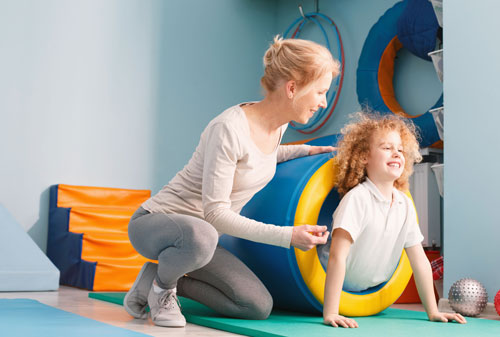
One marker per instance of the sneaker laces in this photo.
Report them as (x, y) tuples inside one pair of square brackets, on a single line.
[(168, 300)]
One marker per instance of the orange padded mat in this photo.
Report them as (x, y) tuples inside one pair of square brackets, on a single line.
[(88, 238)]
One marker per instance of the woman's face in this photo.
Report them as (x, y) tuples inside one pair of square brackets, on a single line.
[(306, 105)]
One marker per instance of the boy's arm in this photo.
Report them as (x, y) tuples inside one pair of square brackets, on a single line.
[(422, 272), (339, 249)]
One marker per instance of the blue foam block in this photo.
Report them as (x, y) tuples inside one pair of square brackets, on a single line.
[(23, 266), (26, 318)]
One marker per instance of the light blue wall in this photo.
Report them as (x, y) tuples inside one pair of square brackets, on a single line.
[(115, 92), (211, 53), (416, 84), (77, 99), (472, 156)]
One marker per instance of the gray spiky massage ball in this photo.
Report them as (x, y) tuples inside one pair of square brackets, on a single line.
[(468, 297)]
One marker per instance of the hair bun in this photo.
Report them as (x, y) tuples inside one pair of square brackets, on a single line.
[(277, 43), (274, 49)]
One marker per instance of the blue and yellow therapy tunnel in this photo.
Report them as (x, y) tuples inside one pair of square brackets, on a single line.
[(302, 192)]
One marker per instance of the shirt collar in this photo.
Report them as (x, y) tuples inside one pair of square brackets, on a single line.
[(370, 186)]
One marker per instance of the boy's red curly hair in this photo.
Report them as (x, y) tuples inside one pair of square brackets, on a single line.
[(354, 147)]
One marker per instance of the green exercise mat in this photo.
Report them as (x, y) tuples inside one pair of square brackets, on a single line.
[(390, 322)]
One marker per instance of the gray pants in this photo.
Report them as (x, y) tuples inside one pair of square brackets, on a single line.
[(190, 259)]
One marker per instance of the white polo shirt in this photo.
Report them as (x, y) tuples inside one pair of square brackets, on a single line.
[(379, 232)]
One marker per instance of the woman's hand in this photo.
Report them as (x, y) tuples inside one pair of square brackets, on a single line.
[(338, 320), (447, 317), (305, 237), (321, 149)]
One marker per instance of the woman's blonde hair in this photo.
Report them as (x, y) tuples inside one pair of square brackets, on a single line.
[(303, 61), (353, 149)]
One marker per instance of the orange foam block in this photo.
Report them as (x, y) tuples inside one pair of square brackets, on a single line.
[(88, 239)]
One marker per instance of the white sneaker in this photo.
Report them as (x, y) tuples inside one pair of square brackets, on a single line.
[(136, 300), (165, 307)]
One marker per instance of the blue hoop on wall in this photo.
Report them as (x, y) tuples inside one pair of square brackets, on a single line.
[(375, 75)]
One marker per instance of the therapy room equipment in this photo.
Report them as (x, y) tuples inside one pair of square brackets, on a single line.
[(88, 236)]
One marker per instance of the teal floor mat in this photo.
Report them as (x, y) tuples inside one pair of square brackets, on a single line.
[(391, 322)]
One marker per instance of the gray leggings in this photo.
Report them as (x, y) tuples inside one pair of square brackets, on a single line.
[(190, 259)]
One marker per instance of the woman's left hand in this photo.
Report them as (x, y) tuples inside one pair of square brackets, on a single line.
[(321, 149)]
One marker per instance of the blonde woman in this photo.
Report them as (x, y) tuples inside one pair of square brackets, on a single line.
[(236, 157)]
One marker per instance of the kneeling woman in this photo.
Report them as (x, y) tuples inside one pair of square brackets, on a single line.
[(236, 157)]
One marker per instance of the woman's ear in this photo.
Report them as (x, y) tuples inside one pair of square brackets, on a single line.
[(290, 88)]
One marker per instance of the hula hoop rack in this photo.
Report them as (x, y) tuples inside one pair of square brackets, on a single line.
[(322, 115)]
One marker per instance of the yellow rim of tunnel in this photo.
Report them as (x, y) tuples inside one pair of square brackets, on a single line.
[(308, 208)]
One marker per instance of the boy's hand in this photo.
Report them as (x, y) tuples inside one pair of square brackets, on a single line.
[(447, 317), (338, 320)]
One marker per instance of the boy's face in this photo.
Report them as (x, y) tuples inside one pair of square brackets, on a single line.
[(386, 161)]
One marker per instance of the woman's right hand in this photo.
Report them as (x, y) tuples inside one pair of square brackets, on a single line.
[(337, 320), (305, 237)]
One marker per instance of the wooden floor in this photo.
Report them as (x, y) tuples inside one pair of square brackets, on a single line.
[(77, 301)]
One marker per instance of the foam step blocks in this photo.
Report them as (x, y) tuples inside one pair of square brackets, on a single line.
[(88, 238), (23, 266)]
